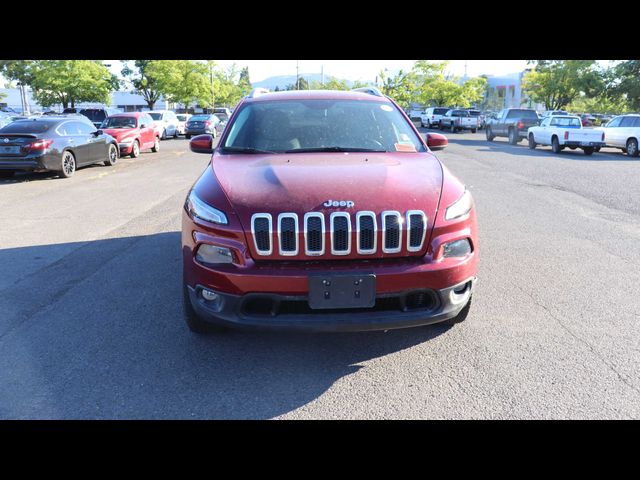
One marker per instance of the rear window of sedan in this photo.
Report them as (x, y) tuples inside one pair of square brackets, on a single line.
[(27, 126), (199, 118)]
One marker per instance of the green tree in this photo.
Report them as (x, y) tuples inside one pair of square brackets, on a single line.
[(144, 82), (182, 81), (70, 81), (18, 70), (557, 83), (401, 86), (623, 85), (331, 83)]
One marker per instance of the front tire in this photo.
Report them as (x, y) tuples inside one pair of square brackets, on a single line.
[(474, 130), (176, 134), (68, 164), (489, 134), (164, 134), (135, 150), (632, 147), (532, 142), (112, 156)]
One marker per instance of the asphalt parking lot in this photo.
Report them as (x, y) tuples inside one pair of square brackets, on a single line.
[(91, 322)]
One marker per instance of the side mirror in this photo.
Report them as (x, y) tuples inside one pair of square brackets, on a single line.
[(201, 144), (436, 141), (98, 132), (143, 125)]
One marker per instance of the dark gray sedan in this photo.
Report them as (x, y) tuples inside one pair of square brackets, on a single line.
[(202, 123), (54, 143)]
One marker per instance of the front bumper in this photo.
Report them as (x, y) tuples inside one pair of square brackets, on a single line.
[(291, 312)]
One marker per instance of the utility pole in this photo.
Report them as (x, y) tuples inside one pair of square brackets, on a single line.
[(297, 74)]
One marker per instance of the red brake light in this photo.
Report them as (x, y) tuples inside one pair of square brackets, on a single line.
[(40, 145), (520, 125), (566, 135), (208, 123)]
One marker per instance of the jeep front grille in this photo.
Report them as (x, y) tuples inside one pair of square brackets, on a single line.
[(342, 230)]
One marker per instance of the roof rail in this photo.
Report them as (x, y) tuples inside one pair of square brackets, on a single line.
[(256, 92), (370, 90)]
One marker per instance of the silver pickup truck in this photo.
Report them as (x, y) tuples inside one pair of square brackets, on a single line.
[(455, 120)]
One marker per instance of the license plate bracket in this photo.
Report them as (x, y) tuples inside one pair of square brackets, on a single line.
[(342, 291), (10, 149)]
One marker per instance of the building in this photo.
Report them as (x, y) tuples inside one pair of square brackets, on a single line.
[(125, 101), (505, 91)]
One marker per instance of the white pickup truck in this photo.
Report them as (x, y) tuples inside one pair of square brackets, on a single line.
[(562, 131), (459, 120)]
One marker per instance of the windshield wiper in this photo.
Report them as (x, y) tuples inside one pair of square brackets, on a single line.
[(246, 150), (332, 149)]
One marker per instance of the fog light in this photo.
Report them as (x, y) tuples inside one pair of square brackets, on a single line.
[(459, 248), (209, 295), (213, 254)]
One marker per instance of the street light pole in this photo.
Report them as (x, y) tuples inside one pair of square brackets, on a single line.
[(297, 76)]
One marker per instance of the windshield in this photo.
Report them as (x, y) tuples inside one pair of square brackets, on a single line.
[(297, 126), (156, 116), (119, 122), (94, 115)]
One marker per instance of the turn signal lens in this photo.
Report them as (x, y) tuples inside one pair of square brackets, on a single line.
[(459, 248), (213, 254)]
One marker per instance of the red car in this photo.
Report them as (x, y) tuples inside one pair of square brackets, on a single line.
[(325, 211), (133, 131)]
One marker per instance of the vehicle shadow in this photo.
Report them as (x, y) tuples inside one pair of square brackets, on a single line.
[(98, 332), (522, 149)]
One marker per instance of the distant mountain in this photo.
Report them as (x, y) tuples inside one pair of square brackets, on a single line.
[(282, 81)]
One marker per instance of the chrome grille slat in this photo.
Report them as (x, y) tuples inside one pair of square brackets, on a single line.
[(392, 224)]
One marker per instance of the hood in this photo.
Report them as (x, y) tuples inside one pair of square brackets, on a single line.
[(120, 133), (302, 183)]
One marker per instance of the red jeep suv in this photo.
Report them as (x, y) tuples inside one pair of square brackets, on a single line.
[(325, 210), (133, 131)]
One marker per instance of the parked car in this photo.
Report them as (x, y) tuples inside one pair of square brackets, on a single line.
[(548, 113), (6, 119), (167, 123), (59, 144), (512, 123), (96, 115), (431, 116), (415, 113), (478, 115), (202, 123), (565, 131), (587, 120), (182, 122), (134, 131), (223, 114), (10, 110), (280, 207), (455, 120), (623, 132)]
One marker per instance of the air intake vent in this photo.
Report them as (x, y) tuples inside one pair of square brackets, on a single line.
[(314, 233), (261, 230), (367, 232), (340, 233), (288, 233), (416, 229), (392, 228)]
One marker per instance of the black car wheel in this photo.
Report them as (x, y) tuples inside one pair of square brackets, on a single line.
[(187, 136), (164, 134), (135, 150), (112, 156), (588, 150), (489, 133), (555, 145), (175, 134), (632, 147), (532, 142), (156, 145), (68, 164), (474, 130), (513, 137)]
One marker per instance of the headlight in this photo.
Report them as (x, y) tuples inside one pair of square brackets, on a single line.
[(460, 207), (204, 211)]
